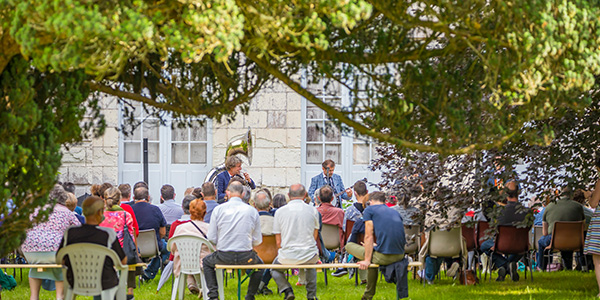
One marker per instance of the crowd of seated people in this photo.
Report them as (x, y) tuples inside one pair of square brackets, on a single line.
[(237, 224)]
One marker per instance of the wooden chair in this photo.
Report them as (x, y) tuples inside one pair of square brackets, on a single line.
[(267, 250), (349, 226), (566, 236), (468, 233), (480, 235), (512, 240)]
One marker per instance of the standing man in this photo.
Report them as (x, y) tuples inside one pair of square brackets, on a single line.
[(386, 224), (235, 229), (296, 229), (150, 217), (233, 164), (332, 180)]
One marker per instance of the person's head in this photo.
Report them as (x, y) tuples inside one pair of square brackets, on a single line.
[(233, 164), (246, 195), (238, 178), (325, 194), (262, 201), (125, 190), (512, 190), (167, 192), (197, 192), (403, 198), (112, 196), (188, 191), (140, 194), (279, 200), (69, 187), (297, 191), (140, 184), (98, 190), (360, 189), (377, 198), (197, 210), (71, 201), (93, 209), (208, 190), (58, 194), (328, 167), (579, 196), (266, 190), (234, 189), (185, 204)]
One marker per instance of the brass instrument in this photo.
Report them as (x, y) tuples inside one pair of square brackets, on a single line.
[(240, 144)]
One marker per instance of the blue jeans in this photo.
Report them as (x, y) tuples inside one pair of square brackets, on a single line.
[(154, 264), (544, 242), (432, 267)]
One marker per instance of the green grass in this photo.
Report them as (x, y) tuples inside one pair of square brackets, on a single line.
[(556, 285)]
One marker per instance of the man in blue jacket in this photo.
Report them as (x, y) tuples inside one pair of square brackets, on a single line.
[(233, 165), (333, 180)]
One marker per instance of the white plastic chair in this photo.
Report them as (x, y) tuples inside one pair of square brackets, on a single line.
[(189, 248), (87, 262)]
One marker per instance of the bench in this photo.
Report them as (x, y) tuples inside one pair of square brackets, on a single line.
[(42, 267), (319, 267)]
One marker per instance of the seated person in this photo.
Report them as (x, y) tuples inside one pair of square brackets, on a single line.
[(262, 202), (330, 214), (512, 214), (90, 232), (196, 226)]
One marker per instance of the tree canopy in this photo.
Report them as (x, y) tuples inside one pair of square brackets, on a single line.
[(450, 77)]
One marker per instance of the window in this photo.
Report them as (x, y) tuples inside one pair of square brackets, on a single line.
[(323, 138), (189, 145)]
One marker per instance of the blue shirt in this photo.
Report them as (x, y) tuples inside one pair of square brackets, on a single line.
[(210, 206), (388, 229), (149, 217), (171, 211)]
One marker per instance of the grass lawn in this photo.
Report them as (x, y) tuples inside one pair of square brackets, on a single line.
[(556, 285)]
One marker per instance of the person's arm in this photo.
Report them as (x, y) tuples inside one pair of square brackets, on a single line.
[(544, 228), (316, 234), (256, 234), (312, 189), (368, 243), (221, 186), (162, 231), (595, 195), (212, 229), (278, 240)]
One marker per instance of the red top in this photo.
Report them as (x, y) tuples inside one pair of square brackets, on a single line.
[(172, 231), (128, 209)]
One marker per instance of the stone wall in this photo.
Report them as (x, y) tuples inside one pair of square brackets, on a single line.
[(96, 160)]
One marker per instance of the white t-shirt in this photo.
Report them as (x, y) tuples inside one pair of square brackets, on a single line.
[(296, 222)]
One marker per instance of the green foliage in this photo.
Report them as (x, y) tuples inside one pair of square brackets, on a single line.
[(39, 113)]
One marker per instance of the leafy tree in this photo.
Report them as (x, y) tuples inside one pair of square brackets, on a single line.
[(39, 112), (450, 77)]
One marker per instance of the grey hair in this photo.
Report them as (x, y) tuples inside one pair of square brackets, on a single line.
[(246, 194), (58, 194), (262, 201)]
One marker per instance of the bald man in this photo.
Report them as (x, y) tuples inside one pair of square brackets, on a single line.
[(90, 232)]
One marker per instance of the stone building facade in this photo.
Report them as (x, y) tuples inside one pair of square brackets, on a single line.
[(280, 121)]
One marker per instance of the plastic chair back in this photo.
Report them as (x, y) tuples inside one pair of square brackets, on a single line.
[(331, 236), (412, 233), (443, 243), (567, 236), (147, 243), (512, 240), (537, 235), (189, 248), (469, 234), (87, 263), (267, 250)]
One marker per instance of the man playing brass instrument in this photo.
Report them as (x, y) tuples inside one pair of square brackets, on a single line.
[(233, 166)]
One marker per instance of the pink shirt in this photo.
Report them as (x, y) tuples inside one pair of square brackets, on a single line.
[(334, 216), (45, 237), (117, 220)]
